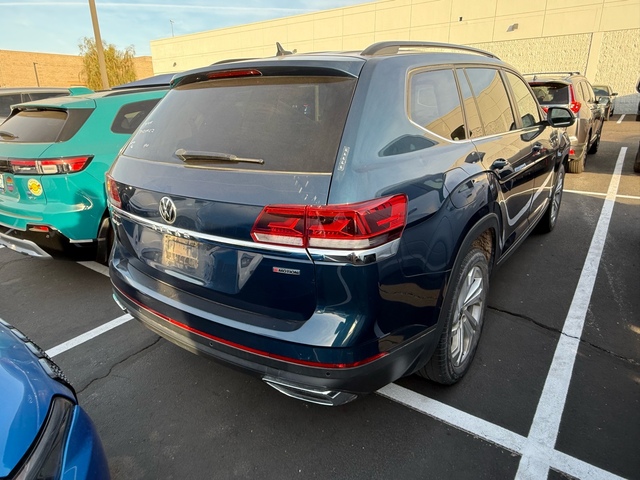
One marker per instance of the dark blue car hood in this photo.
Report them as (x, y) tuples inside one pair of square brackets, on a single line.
[(25, 396)]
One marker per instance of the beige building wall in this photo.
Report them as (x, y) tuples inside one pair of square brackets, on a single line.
[(17, 69), (598, 37)]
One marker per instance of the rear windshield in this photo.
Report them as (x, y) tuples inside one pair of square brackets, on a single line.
[(40, 126), (293, 124), (43, 125), (551, 94)]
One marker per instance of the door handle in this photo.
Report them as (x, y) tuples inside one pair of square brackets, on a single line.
[(499, 164), (536, 149), (502, 168)]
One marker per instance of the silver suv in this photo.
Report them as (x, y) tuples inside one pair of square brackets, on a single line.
[(572, 90)]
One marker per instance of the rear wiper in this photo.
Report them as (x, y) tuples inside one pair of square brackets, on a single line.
[(4, 133), (194, 156)]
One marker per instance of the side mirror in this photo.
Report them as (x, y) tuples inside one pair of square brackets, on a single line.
[(614, 94), (560, 117)]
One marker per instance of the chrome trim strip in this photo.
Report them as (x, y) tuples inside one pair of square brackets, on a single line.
[(23, 246), (190, 234), (330, 398), (355, 257), (318, 255)]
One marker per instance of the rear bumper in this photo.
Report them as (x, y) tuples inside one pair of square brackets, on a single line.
[(323, 384), (77, 221), (45, 245)]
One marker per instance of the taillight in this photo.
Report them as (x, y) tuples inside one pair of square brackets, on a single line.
[(545, 109), (49, 166), (351, 226), (112, 192), (234, 74), (574, 106)]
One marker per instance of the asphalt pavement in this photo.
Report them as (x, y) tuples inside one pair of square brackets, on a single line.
[(554, 391)]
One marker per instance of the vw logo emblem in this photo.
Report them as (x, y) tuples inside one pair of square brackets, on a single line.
[(167, 210)]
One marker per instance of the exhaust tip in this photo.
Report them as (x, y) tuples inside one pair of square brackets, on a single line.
[(331, 398)]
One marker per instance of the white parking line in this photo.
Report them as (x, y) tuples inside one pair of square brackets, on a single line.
[(493, 433), (621, 118), (546, 422), (85, 337), (96, 267), (598, 194), (538, 449)]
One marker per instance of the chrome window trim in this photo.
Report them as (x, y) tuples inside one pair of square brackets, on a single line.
[(318, 255)]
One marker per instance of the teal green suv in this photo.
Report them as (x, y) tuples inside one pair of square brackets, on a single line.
[(54, 154)]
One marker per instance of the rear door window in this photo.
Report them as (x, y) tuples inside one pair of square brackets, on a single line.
[(492, 99), (588, 92), (527, 106), (6, 101), (292, 123), (37, 126), (130, 116), (434, 104), (474, 124)]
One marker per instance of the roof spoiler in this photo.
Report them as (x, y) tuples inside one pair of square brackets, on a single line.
[(80, 91)]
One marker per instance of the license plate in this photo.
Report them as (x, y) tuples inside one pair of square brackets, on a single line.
[(179, 252), (1, 181)]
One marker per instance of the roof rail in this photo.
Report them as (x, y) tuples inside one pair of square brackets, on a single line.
[(554, 73), (394, 47)]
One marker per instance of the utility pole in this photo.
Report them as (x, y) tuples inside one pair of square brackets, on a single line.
[(99, 49), (171, 21), (35, 69)]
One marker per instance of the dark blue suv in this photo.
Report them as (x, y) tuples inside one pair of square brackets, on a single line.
[(329, 221)]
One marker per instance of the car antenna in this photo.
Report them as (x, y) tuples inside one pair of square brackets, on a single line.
[(282, 52)]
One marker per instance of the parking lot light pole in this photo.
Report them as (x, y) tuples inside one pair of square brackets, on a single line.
[(99, 49), (35, 69)]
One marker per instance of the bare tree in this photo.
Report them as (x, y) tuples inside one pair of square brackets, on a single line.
[(120, 67)]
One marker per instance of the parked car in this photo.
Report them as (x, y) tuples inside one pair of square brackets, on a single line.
[(12, 96), (606, 98), (572, 90), (329, 221), (44, 433), (54, 154)]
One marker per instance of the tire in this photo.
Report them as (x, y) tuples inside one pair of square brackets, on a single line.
[(106, 236), (577, 166), (549, 219), (463, 317), (594, 146)]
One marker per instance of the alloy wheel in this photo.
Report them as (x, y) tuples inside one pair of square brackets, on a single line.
[(557, 197), (467, 322)]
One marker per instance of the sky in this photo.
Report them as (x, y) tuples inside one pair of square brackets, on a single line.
[(54, 26)]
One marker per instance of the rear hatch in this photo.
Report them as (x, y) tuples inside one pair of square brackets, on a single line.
[(25, 138), (217, 149)]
